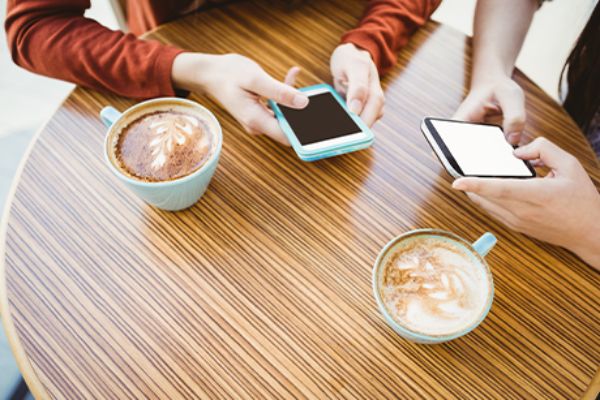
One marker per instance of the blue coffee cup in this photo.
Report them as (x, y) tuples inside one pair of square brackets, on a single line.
[(171, 195), (477, 250)]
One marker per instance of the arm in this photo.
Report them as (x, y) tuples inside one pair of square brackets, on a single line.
[(386, 27), (370, 49), (53, 38), (500, 28), (499, 31)]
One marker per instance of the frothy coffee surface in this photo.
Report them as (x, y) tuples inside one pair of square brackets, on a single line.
[(164, 145), (433, 286)]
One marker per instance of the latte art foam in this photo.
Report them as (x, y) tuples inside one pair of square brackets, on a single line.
[(164, 145), (434, 287), (170, 132)]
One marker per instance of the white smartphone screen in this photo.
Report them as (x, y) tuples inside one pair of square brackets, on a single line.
[(480, 150)]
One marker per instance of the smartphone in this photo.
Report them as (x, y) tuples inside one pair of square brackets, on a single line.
[(468, 149), (325, 127)]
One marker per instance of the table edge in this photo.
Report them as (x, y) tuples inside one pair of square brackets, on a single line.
[(34, 384)]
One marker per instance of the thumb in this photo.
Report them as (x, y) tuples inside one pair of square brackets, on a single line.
[(512, 101), (542, 149), (472, 110), (266, 86), (358, 86)]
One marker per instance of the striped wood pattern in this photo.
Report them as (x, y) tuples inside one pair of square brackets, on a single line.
[(263, 289)]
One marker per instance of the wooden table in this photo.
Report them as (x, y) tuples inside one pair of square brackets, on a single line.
[(263, 289)]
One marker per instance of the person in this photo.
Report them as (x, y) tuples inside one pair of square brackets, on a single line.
[(53, 38), (562, 208)]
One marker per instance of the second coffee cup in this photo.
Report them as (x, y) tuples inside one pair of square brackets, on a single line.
[(433, 286)]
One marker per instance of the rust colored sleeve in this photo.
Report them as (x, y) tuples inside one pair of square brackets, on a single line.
[(386, 27), (53, 38)]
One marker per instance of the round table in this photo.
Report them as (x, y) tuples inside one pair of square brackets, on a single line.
[(263, 289)]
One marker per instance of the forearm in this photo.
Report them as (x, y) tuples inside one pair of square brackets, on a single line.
[(500, 28), (587, 246), (53, 38), (387, 25)]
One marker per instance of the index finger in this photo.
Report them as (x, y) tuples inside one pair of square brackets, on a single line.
[(358, 86), (265, 123), (499, 188), (375, 102), (549, 153), (266, 86), (512, 102)]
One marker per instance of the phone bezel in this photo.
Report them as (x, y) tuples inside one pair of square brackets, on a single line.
[(447, 159)]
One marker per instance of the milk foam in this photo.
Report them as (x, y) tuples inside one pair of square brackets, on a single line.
[(433, 286), (178, 129), (163, 142)]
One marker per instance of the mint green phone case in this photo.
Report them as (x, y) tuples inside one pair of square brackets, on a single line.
[(304, 155)]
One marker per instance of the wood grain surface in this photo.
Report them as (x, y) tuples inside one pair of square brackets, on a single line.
[(263, 289)]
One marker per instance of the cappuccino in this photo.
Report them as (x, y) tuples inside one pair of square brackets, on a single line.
[(434, 286), (164, 144)]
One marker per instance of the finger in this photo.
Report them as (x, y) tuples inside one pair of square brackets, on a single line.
[(290, 77), (546, 152), (341, 85), (472, 110), (340, 80), (499, 188), (374, 106), (491, 109), (265, 86), (273, 130), (498, 212), (261, 122), (512, 101), (510, 205), (358, 85), (537, 163)]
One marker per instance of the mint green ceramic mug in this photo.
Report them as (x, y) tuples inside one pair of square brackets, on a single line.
[(427, 282), (171, 195)]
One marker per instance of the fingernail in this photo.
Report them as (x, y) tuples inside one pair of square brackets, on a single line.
[(513, 138), (300, 101), (518, 151), (458, 185), (355, 106)]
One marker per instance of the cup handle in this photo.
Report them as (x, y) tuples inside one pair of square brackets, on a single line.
[(109, 115), (485, 243)]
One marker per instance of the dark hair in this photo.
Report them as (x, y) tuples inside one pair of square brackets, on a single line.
[(583, 74)]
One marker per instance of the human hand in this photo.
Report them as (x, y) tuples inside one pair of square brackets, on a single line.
[(500, 96), (562, 208), (241, 86), (355, 76)]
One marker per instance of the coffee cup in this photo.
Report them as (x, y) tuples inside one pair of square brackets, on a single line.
[(179, 192), (432, 286)]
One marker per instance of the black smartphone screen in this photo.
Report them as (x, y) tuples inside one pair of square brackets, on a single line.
[(477, 149), (322, 119)]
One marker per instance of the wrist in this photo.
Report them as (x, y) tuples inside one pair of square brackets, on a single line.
[(351, 47), (489, 70), (355, 47), (191, 71)]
